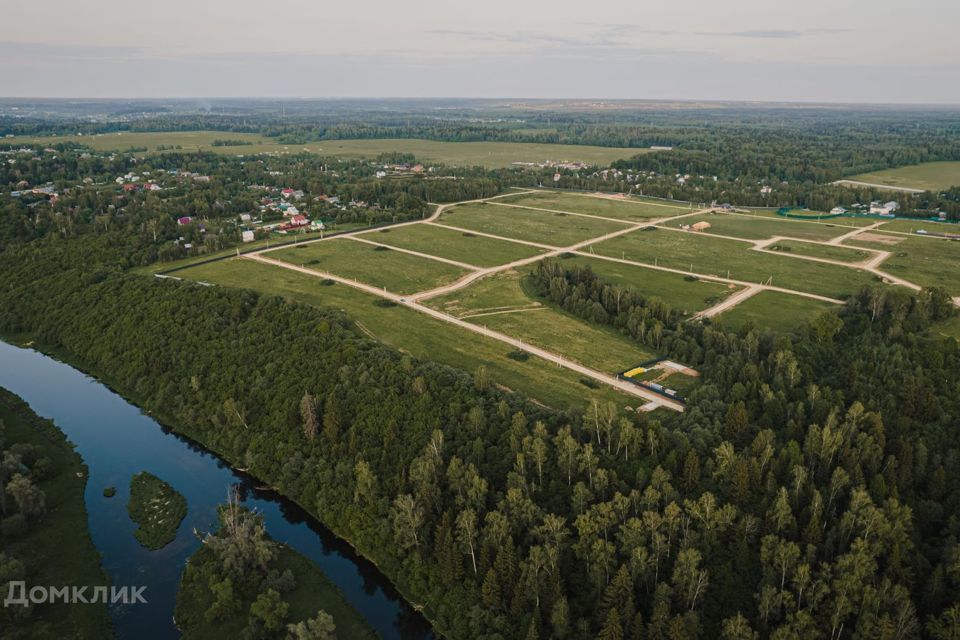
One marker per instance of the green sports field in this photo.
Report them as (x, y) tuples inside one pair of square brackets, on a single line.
[(553, 229), (395, 271), (453, 245), (703, 254), (773, 311), (487, 154), (629, 209), (926, 175), (412, 332), (500, 302)]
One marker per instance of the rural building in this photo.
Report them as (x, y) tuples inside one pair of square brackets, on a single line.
[(247, 236), (837, 210), (884, 209), (703, 225), (184, 220)]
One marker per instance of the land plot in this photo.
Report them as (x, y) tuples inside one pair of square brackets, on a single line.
[(500, 302), (824, 251), (761, 227), (553, 229), (396, 271), (621, 208), (453, 245), (703, 254), (412, 332), (684, 293), (774, 311)]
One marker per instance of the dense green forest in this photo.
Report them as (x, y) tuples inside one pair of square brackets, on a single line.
[(809, 490), (43, 529)]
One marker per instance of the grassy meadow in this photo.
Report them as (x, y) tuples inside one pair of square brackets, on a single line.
[(412, 332), (453, 245), (487, 154), (501, 303), (773, 311), (629, 209), (702, 254), (543, 227), (395, 271), (930, 176)]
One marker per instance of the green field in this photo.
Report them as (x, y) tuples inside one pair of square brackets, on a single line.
[(825, 251), (621, 208), (396, 271), (931, 176), (487, 154), (910, 226), (949, 328), (453, 245), (707, 255), (762, 227), (554, 229), (499, 302), (772, 310), (808, 216), (412, 332), (926, 262), (863, 240), (688, 296)]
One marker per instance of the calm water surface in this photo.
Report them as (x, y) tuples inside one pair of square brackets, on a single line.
[(117, 440)]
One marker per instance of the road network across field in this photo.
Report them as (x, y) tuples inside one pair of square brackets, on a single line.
[(653, 400)]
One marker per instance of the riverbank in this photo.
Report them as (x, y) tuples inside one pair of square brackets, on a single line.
[(312, 592), (56, 550), (250, 469)]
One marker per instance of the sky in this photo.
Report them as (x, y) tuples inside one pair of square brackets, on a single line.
[(878, 51)]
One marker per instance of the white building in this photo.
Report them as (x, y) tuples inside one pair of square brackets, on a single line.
[(884, 209)]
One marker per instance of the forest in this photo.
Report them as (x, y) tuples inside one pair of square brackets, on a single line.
[(810, 489)]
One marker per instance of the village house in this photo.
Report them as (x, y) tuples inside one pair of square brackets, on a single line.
[(885, 209)]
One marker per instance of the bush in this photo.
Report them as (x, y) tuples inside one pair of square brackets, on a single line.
[(109, 492), (519, 355)]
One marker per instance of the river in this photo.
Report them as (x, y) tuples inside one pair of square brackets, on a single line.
[(116, 440)]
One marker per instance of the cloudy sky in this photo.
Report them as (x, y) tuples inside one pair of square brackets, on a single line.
[(815, 50)]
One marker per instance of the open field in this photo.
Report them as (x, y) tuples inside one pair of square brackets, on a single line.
[(904, 225), (875, 240), (930, 176), (762, 227), (715, 256), (396, 271), (554, 229), (500, 303), (488, 154), (412, 332), (689, 296), (453, 245), (809, 216), (772, 310), (827, 252), (630, 209), (926, 262), (950, 328)]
